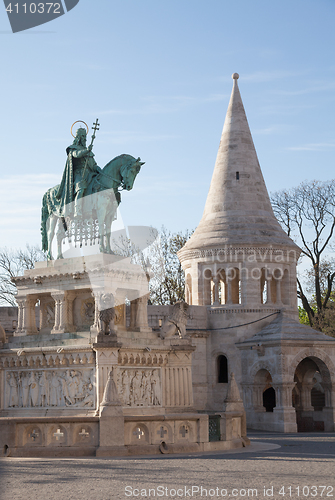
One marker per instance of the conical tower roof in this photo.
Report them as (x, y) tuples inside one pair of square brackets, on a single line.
[(238, 208)]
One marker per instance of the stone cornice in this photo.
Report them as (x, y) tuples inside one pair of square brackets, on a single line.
[(224, 254)]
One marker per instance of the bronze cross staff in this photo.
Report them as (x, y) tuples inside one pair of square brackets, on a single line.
[(95, 128)]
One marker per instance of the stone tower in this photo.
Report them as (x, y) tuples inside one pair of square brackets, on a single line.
[(239, 259)]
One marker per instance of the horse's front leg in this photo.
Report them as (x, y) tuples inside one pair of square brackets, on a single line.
[(51, 224)]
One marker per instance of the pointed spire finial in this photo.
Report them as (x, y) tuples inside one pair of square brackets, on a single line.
[(235, 76)]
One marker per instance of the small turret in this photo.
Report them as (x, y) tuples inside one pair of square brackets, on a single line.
[(239, 255)]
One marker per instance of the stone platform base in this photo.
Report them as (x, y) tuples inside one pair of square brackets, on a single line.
[(87, 436), (164, 448), (124, 451)]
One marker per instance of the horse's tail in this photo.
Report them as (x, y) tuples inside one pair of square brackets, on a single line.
[(44, 217)]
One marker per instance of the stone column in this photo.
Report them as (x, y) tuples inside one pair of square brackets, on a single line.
[(285, 419), (258, 397), (20, 303), (229, 288), (26, 319), (306, 397), (133, 313), (63, 312), (268, 290), (95, 327), (142, 315), (216, 291), (278, 292), (70, 297)]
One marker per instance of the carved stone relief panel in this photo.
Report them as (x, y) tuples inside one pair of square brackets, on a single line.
[(47, 312), (87, 311), (139, 386), (83, 310), (50, 388)]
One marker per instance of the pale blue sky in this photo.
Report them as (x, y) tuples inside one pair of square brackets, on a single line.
[(158, 76)]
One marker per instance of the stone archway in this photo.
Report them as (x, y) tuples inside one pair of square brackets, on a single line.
[(264, 398), (311, 396)]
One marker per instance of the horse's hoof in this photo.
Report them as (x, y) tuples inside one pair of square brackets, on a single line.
[(60, 256)]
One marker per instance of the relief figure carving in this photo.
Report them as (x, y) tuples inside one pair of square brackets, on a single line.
[(139, 387), (45, 388)]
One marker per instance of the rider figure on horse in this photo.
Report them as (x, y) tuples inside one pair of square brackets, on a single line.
[(80, 168)]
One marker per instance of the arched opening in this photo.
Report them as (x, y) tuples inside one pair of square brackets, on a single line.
[(263, 287), (269, 399), (311, 395), (222, 287), (222, 369), (264, 396)]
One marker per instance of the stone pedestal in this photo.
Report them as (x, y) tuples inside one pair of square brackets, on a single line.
[(111, 433)]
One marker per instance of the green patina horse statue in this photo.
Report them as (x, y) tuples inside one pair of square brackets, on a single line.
[(101, 203)]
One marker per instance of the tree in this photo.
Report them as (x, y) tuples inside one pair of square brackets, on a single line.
[(168, 283), (12, 264), (307, 213), (158, 256)]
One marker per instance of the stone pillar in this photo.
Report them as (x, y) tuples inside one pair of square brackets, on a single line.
[(95, 327), (258, 397), (20, 303), (111, 425), (229, 289), (306, 397), (106, 359), (133, 314), (120, 310), (63, 312), (216, 291), (284, 413), (142, 315), (70, 296), (26, 316), (278, 292), (268, 290)]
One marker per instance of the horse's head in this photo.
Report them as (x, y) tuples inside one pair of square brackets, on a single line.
[(129, 173)]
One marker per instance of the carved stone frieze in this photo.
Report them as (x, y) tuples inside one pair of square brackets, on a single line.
[(139, 387), (148, 358), (87, 311), (57, 359), (49, 388)]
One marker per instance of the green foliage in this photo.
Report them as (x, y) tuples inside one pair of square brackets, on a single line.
[(303, 316)]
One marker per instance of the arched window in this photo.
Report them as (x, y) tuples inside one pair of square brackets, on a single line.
[(269, 399), (222, 369)]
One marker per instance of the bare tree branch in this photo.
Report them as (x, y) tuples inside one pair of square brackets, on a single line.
[(307, 213), (12, 264)]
